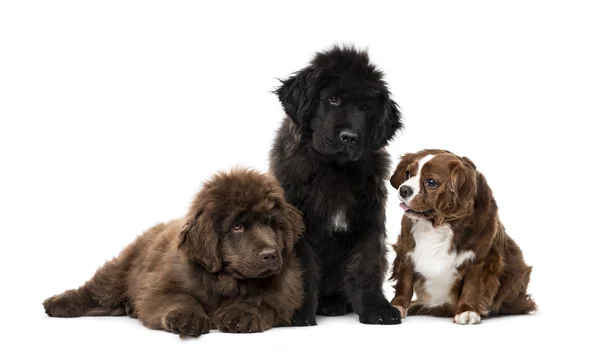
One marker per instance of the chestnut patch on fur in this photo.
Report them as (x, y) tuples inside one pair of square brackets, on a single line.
[(456, 257)]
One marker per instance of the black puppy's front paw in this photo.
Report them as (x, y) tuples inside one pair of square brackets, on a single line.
[(333, 306), (302, 318), (380, 314)]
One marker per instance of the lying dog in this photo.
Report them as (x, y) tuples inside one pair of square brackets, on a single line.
[(453, 249), (228, 264)]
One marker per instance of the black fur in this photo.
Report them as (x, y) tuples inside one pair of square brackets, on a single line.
[(322, 174)]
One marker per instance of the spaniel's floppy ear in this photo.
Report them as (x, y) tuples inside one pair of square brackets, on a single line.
[(294, 228), (299, 94), (200, 241), (399, 175), (457, 199), (469, 162), (388, 124)]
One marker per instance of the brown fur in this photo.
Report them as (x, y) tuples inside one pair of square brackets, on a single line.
[(205, 270), (495, 282)]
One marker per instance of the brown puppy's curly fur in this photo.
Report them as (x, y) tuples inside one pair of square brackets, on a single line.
[(229, 264)]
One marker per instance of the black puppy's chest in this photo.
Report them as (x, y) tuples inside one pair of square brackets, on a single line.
[(334, 206)]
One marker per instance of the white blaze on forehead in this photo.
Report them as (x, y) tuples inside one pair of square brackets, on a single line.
[(414, 182)]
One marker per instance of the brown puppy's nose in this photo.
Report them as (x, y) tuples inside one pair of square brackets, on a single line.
[(405, 191), (268, 255)]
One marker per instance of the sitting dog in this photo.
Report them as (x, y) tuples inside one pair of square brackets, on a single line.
[(229, 264), (329, 156), (453, 250)]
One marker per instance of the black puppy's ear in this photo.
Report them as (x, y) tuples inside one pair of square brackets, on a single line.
[(299, 94), (200, 242), (388, 124)]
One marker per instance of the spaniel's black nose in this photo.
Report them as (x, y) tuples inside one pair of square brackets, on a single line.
[(405, 191)]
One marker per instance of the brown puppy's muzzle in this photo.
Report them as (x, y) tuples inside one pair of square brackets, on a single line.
[(255, 254), (269, 262)]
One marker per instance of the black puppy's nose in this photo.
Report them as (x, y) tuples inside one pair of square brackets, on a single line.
[(405, 191), (348, 137), (268, 255)]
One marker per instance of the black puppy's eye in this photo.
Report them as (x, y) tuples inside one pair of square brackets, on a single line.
[(431, 183), (237, 228), (334, 100), (365, 108), (407, 174)]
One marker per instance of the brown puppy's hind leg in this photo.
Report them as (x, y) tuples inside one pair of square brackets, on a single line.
[(103, 295), (513, 298)]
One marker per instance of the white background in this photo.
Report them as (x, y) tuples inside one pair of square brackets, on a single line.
[(114, 112)]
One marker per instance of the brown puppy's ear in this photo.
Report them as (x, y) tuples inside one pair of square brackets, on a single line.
[(399, 175), (294, 228), (456, 199), (200, 241)]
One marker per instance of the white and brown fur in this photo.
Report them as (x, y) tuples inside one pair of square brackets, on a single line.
[(453, 251)]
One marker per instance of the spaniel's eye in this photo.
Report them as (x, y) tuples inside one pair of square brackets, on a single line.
[(407, 174), (268, 220), (334, 100), (431, 183), (237, 228), (365, 108)]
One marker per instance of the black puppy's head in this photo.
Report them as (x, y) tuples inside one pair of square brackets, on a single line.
[(341, 102)]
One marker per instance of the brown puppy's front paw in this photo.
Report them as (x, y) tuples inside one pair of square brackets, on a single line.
[(240, 319), (65, 305), (187, 322), (467, 318)]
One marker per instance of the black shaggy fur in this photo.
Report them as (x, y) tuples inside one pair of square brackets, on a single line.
[(329, 157)]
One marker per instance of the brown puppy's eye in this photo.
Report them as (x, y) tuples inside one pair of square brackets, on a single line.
[(431, 183), (407, 174), (334, 100), (237, 228)]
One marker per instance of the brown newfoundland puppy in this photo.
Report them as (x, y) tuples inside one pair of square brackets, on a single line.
[(229, 264)]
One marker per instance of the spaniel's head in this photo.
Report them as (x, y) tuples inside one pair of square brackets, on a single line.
[(435, 185)]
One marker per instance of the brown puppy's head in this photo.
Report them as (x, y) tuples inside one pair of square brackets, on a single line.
[(240, 223), (435, 185)]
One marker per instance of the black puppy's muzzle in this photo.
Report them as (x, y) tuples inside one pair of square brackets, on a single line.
[(348, 140)]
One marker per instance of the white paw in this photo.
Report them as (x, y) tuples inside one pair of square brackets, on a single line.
[(467, 318), (401, 310)]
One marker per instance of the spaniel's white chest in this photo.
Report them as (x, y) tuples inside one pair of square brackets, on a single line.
[(434, 259)]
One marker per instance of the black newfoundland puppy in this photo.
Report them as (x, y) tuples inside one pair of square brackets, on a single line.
[(329, 157)]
